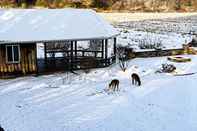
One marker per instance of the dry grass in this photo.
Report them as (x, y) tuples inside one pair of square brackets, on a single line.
[(123, 17)]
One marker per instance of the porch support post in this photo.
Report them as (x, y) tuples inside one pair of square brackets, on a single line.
[(36, 58), (106, 51), (115, 50), (45, 54), (75, 55), (75, 49), (71, 56), (95, 53), (102, 46)]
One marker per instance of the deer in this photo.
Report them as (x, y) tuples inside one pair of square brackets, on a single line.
[(136, 79), (114, 85)]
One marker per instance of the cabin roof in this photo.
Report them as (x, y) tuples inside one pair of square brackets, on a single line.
[(36, 25)]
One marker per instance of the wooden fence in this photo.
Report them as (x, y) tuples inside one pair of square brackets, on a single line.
[(153, 53)]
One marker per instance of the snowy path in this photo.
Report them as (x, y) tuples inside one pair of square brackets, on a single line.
[(163, 103)]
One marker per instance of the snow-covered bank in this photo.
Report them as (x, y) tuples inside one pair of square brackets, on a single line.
[(49, 103)]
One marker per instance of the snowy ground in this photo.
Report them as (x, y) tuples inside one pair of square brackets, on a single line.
[(67, 102)]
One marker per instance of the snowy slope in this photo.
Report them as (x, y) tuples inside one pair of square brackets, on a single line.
[(66, 102)]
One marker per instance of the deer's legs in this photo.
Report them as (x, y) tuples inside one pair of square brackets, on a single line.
[(139, 83)]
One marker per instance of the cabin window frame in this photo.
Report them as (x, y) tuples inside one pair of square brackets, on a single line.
[(13, 54)]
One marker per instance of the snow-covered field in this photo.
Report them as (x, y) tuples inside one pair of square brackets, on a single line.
[(171, 33), (68, 102)]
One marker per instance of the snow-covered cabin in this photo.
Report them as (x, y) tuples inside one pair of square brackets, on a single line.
[(69, 38)]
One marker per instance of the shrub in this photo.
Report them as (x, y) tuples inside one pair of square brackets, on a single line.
[(148, 43), (166, 68)]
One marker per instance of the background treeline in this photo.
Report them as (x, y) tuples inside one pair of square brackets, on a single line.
[(118, 5)]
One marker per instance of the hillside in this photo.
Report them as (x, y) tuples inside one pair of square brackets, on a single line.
[(110, 5)]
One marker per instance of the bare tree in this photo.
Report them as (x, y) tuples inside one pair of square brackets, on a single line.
[(122, 57)]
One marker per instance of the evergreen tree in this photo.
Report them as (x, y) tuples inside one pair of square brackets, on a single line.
[(87, 3), (102, 3), (178, 4), (43, 3)]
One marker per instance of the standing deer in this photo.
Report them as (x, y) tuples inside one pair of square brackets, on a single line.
[(136, 79), (114, 85)]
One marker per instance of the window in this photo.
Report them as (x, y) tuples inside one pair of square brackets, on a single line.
[(12, 53)]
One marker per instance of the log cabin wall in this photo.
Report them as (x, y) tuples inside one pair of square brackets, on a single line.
[(27, 64)]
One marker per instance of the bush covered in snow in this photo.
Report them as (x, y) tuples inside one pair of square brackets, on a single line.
[(150, 43), (166, 68)]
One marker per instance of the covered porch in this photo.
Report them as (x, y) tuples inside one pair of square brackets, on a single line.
[(76, 54)]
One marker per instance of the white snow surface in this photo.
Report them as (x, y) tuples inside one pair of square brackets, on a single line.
[(24, 25), (68, 102)]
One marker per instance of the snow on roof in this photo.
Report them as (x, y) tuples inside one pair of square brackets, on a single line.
[(26, 25)]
